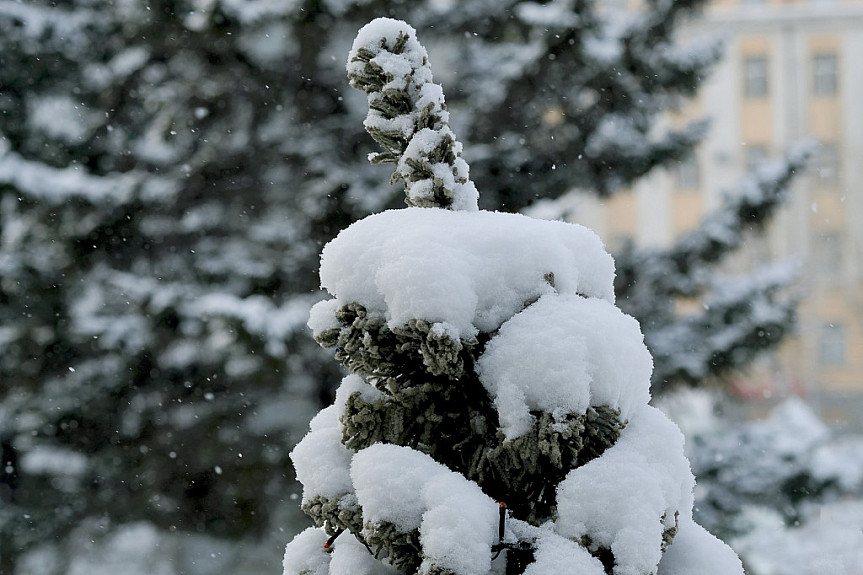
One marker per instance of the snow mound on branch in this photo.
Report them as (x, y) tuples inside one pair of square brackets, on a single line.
[(625, 499), (555, 554), (355, 384), (321, 461), (389, 29), (306, 554), (694, 550), (456, 520), (471, 270), (350, 557), (561, 355)]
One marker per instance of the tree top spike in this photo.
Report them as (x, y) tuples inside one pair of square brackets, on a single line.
[(408, 118)]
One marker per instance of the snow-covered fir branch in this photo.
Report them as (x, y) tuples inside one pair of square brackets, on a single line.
[(408, 118), (686, 270)]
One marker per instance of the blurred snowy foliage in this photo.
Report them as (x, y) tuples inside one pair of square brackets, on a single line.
[(169, 172), (141, 548), (785, 491), (738, 317)]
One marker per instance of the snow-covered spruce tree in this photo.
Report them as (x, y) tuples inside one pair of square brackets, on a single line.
[(155, 275), (497, 404), (740, 317)]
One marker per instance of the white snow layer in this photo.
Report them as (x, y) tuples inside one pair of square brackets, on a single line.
[(350, 557), (555, 554), (456, 520), (561, 355), (390, 29), (321, 461), (471, 270), (355, 384), (626, 498), (694, 550), (306, 554)]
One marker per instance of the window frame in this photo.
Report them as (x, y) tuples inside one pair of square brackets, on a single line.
[(826, 166), (756, 84), (825, 77), (831, 345)]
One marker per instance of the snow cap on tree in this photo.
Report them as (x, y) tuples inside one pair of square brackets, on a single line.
[(497, 411)]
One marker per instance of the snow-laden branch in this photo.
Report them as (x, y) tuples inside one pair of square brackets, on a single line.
[(37, 181), (408, 118), (679, 271)]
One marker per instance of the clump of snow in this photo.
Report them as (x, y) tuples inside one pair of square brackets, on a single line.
[(388, 481), (625, 499), (460, 525), (350, 557), (355, 384), (268, 45), (124, 63), (59, 185), (389, 30), (693, 410), (132, 549), (66, 28), (561, 355), (321, 462), (614, 131), (456, 520), (306, 554), (251, 11), (483, 268), (322, 316), (694, 550), (556, 554), (258, 314)]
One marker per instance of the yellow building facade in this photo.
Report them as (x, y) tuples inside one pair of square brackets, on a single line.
[(793, 70)]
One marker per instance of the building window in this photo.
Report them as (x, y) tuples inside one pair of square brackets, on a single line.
[(756, 155), (829, 253), (832, 345), (687, 173), (755, 76), (824, 79), (826, 166)]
